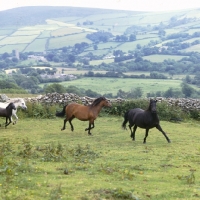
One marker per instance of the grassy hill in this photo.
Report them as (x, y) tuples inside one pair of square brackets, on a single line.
[(40, 29)]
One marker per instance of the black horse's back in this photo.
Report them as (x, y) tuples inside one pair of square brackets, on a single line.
[(62, 113)]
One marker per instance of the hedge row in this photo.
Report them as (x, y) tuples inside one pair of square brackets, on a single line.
[(164, 110)]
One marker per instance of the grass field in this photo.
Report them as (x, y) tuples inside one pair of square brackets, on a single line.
[(38, 161), (112, 85), (161, 58)]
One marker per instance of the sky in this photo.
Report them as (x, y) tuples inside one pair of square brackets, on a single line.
[(135, 5)]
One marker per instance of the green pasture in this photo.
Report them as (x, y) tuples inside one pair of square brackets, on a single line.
[(39, 161), (98, 62), (153, 36), (107, 45), (45, 34), (65, 31), (192, 31), (37, 45), (193, 48), (191, 40), (26, 32), (11, 47), (18, 39), (161, 58), (69, 40), (97, 52), (40, 27), (7, 31), (172, 31), (112, 85)]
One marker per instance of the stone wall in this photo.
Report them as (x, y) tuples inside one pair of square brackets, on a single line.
[(62, 99)]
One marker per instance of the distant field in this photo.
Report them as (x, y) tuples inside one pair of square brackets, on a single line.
[(68, 40), (65, 31), (193, 48), (9, 48), (112, 85), (161, 58), (37, 45), (98, 62), (26, 32), (97, 52), (18, 39)]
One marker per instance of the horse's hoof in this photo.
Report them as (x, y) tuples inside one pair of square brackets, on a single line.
[(169, 141)]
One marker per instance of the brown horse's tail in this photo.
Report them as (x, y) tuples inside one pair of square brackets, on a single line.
[(62, 113), (125, 120)]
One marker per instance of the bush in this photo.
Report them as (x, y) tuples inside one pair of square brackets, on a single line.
[(165, 112)]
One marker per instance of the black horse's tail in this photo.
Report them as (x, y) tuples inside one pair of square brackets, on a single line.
[(125, 120), (62, 113)]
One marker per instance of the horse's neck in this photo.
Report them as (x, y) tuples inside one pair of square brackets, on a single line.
[(97, 109), (16, 102)]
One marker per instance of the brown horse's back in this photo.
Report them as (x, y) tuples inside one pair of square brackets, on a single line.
[(78, 111)]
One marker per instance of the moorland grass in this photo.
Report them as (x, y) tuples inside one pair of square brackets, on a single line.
[(39, 161)]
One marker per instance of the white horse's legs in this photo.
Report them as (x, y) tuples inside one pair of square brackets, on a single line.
[(14, 114)]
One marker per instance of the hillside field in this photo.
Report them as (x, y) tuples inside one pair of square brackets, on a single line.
[(112, 85), (58, 32), (39, 161)]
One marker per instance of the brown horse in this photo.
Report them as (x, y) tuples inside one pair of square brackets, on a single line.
[(83, 113)]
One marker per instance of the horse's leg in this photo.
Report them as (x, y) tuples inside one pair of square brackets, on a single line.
[(160, 129), (133, 133), (7, 123), (16, 118), (70, 122), (146, 135), (130, 130), (91, 126), (64, 125)]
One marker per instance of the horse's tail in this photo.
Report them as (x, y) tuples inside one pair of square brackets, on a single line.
[(125, 120), (62, 113)]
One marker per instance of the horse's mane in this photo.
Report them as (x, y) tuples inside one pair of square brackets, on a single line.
[(97, 101), (15, 100)]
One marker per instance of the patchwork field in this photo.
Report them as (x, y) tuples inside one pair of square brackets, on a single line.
[(67, 31)]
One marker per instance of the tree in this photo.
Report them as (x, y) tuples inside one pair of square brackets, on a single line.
[(187, 90), (55, 87), (95, 47), (132, 37)]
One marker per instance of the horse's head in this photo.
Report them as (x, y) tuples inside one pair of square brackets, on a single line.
[(22, 104), (107, 103), (152, 105)]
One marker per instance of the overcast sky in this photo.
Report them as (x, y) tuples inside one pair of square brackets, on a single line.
[(135, 5)]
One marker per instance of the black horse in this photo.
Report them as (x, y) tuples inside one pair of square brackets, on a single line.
[(7, 112), (145, 119)]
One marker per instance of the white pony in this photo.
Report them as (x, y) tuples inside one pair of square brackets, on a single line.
[(18, 102)]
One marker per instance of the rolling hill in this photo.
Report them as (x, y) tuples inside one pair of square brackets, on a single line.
[(39, 29)]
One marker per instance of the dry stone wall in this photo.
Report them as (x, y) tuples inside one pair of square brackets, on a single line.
[(55, 98)]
